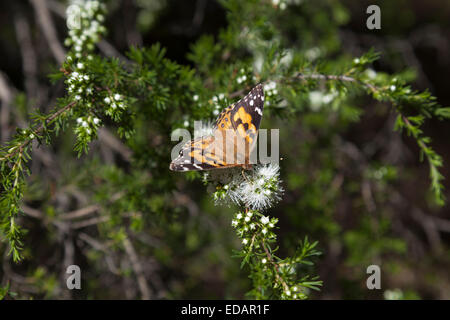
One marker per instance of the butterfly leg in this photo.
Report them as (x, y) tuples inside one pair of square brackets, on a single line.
[(245, 177)]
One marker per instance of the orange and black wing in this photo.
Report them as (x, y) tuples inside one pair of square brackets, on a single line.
[(242, 119), (199, 154), (245, 115)]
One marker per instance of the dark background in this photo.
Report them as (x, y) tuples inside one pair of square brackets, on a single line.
[(415, 34)]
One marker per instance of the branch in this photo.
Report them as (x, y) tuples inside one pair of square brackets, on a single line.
[(37, 131), (138, 269), (47, 26)]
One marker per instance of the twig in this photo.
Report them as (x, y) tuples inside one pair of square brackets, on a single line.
[(80, 212), (107, 48), (107, 137), (29, 60), (275, 265), (46, 23), (38, 130), (6, 95), (313, 76), (145, 290)]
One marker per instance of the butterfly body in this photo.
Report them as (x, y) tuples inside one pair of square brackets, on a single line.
[(234, 138)]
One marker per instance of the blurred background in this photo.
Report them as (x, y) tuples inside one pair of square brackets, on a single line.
[(356, 186)]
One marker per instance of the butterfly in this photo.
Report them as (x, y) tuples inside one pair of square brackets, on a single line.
[(234, 138)]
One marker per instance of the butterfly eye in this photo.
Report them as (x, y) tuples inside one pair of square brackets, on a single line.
[(226, 119)]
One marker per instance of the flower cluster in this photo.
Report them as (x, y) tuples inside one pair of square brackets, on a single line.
[(79, 83), (395, 294), (86, 127), (282, 4), (258, 189), (218, 102), (270, 91), (294, 292), (318, 99), (205, 129), (244, 76), (84, 18), (248, 225), (115, 103)]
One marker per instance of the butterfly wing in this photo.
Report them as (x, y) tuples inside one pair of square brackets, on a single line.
[(246, 116), (203, 153), (238, 123)]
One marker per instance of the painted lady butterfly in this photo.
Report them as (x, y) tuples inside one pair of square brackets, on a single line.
[(235, 135)]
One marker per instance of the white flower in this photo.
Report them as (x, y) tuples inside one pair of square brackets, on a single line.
[(270, 86), (264, 260), (313, 53), (371, 74), (195, 97), (264, 231), (269, 171), (77, 97), (245, 241), (239, 216), (316, 98), (356, 60), (80, 65), (259, 190), (329, 97), (205, 129), (117, 97), (96, 120), (79, 120), (247, 219), (234, 223), (393, 88), (107, 100), (265, 220), (395, 294)]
